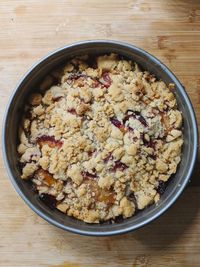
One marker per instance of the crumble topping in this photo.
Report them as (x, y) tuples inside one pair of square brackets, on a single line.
[(100, 138)]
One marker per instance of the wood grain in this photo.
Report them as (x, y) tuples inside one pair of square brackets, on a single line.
[(168, 29)]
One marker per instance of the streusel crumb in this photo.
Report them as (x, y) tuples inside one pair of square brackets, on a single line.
[(100, 140)]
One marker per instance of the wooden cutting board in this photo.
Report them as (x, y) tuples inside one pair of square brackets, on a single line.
[(168, 29)]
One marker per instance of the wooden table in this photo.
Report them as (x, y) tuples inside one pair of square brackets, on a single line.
[(168, 29)]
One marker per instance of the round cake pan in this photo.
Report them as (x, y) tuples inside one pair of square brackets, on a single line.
[(14, 112)]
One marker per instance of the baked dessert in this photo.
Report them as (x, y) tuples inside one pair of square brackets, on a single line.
[(100, 138)]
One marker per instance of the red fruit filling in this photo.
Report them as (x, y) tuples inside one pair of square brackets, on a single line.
[(95, 83), (87, 175), (117, 123), (119, 166), (107, 79), (109, 157), (135, 115), (151, 143), (72, 111), (49, 140)]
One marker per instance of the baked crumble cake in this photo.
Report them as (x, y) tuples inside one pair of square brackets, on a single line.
[(100, 138)]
